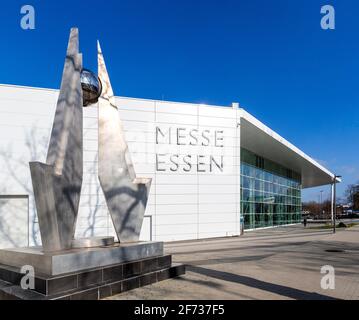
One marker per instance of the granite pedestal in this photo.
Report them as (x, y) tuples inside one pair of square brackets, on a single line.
[(92, 273)]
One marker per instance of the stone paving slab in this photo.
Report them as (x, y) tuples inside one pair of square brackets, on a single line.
[(280, 263)]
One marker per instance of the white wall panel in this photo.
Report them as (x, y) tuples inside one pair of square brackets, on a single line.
[(176, 108), (217, 179), (144, 169), (176, 199), (176, 219), (218, 217), (221, 198), (173, 229), (132, 115), (214, 189), (91, 134), (143, 147), (165, 179), (217, 112), (176, 209), (14, 221), (25, 123), (138, 126), (180, 120), (183, 205), (216, 123), (146, 230), (176, 189), (209, 208), (135, 104)]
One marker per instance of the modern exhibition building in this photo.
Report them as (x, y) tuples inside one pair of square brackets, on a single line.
[(212, 168)]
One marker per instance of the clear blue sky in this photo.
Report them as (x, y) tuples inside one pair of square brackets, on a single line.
[(270, 56)]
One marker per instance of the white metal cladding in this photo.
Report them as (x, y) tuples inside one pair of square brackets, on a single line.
[(182, 205), (179, 200), (192, 197), (14, 223)]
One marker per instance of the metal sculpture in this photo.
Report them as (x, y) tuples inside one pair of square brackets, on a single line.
[(126, 195), (57, 183)]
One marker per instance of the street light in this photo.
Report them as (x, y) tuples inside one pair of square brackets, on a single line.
[(334, 200)]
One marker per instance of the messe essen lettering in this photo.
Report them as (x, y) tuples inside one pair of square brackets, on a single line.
[(169, 162)]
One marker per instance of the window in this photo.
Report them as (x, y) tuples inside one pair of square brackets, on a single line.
[(271, 194)]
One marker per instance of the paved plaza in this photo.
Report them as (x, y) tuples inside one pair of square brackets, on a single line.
[(278, 263)]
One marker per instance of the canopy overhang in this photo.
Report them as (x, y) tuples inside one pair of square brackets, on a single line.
[(258, 138)]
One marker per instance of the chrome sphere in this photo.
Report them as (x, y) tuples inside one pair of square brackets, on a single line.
[(91, 87)]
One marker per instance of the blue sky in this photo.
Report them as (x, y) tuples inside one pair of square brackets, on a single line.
[(270, 56)]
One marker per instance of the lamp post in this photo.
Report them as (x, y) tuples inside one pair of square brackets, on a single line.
[(334, 200)]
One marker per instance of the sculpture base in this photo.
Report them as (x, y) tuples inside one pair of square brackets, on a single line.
[(92, 273), (73, 260), (92, 242), (92, 284)]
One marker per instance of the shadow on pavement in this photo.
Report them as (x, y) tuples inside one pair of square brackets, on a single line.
[(208, 262), (258, 284)]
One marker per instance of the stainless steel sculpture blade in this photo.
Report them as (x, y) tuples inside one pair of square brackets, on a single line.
[(57, 184), (126, 195)]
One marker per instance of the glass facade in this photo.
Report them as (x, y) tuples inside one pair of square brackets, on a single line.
[(270, 193)]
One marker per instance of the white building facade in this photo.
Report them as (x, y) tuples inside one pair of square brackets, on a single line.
[(192, 153)]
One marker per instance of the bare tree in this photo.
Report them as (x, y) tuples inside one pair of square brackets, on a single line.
[(317, 210)]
